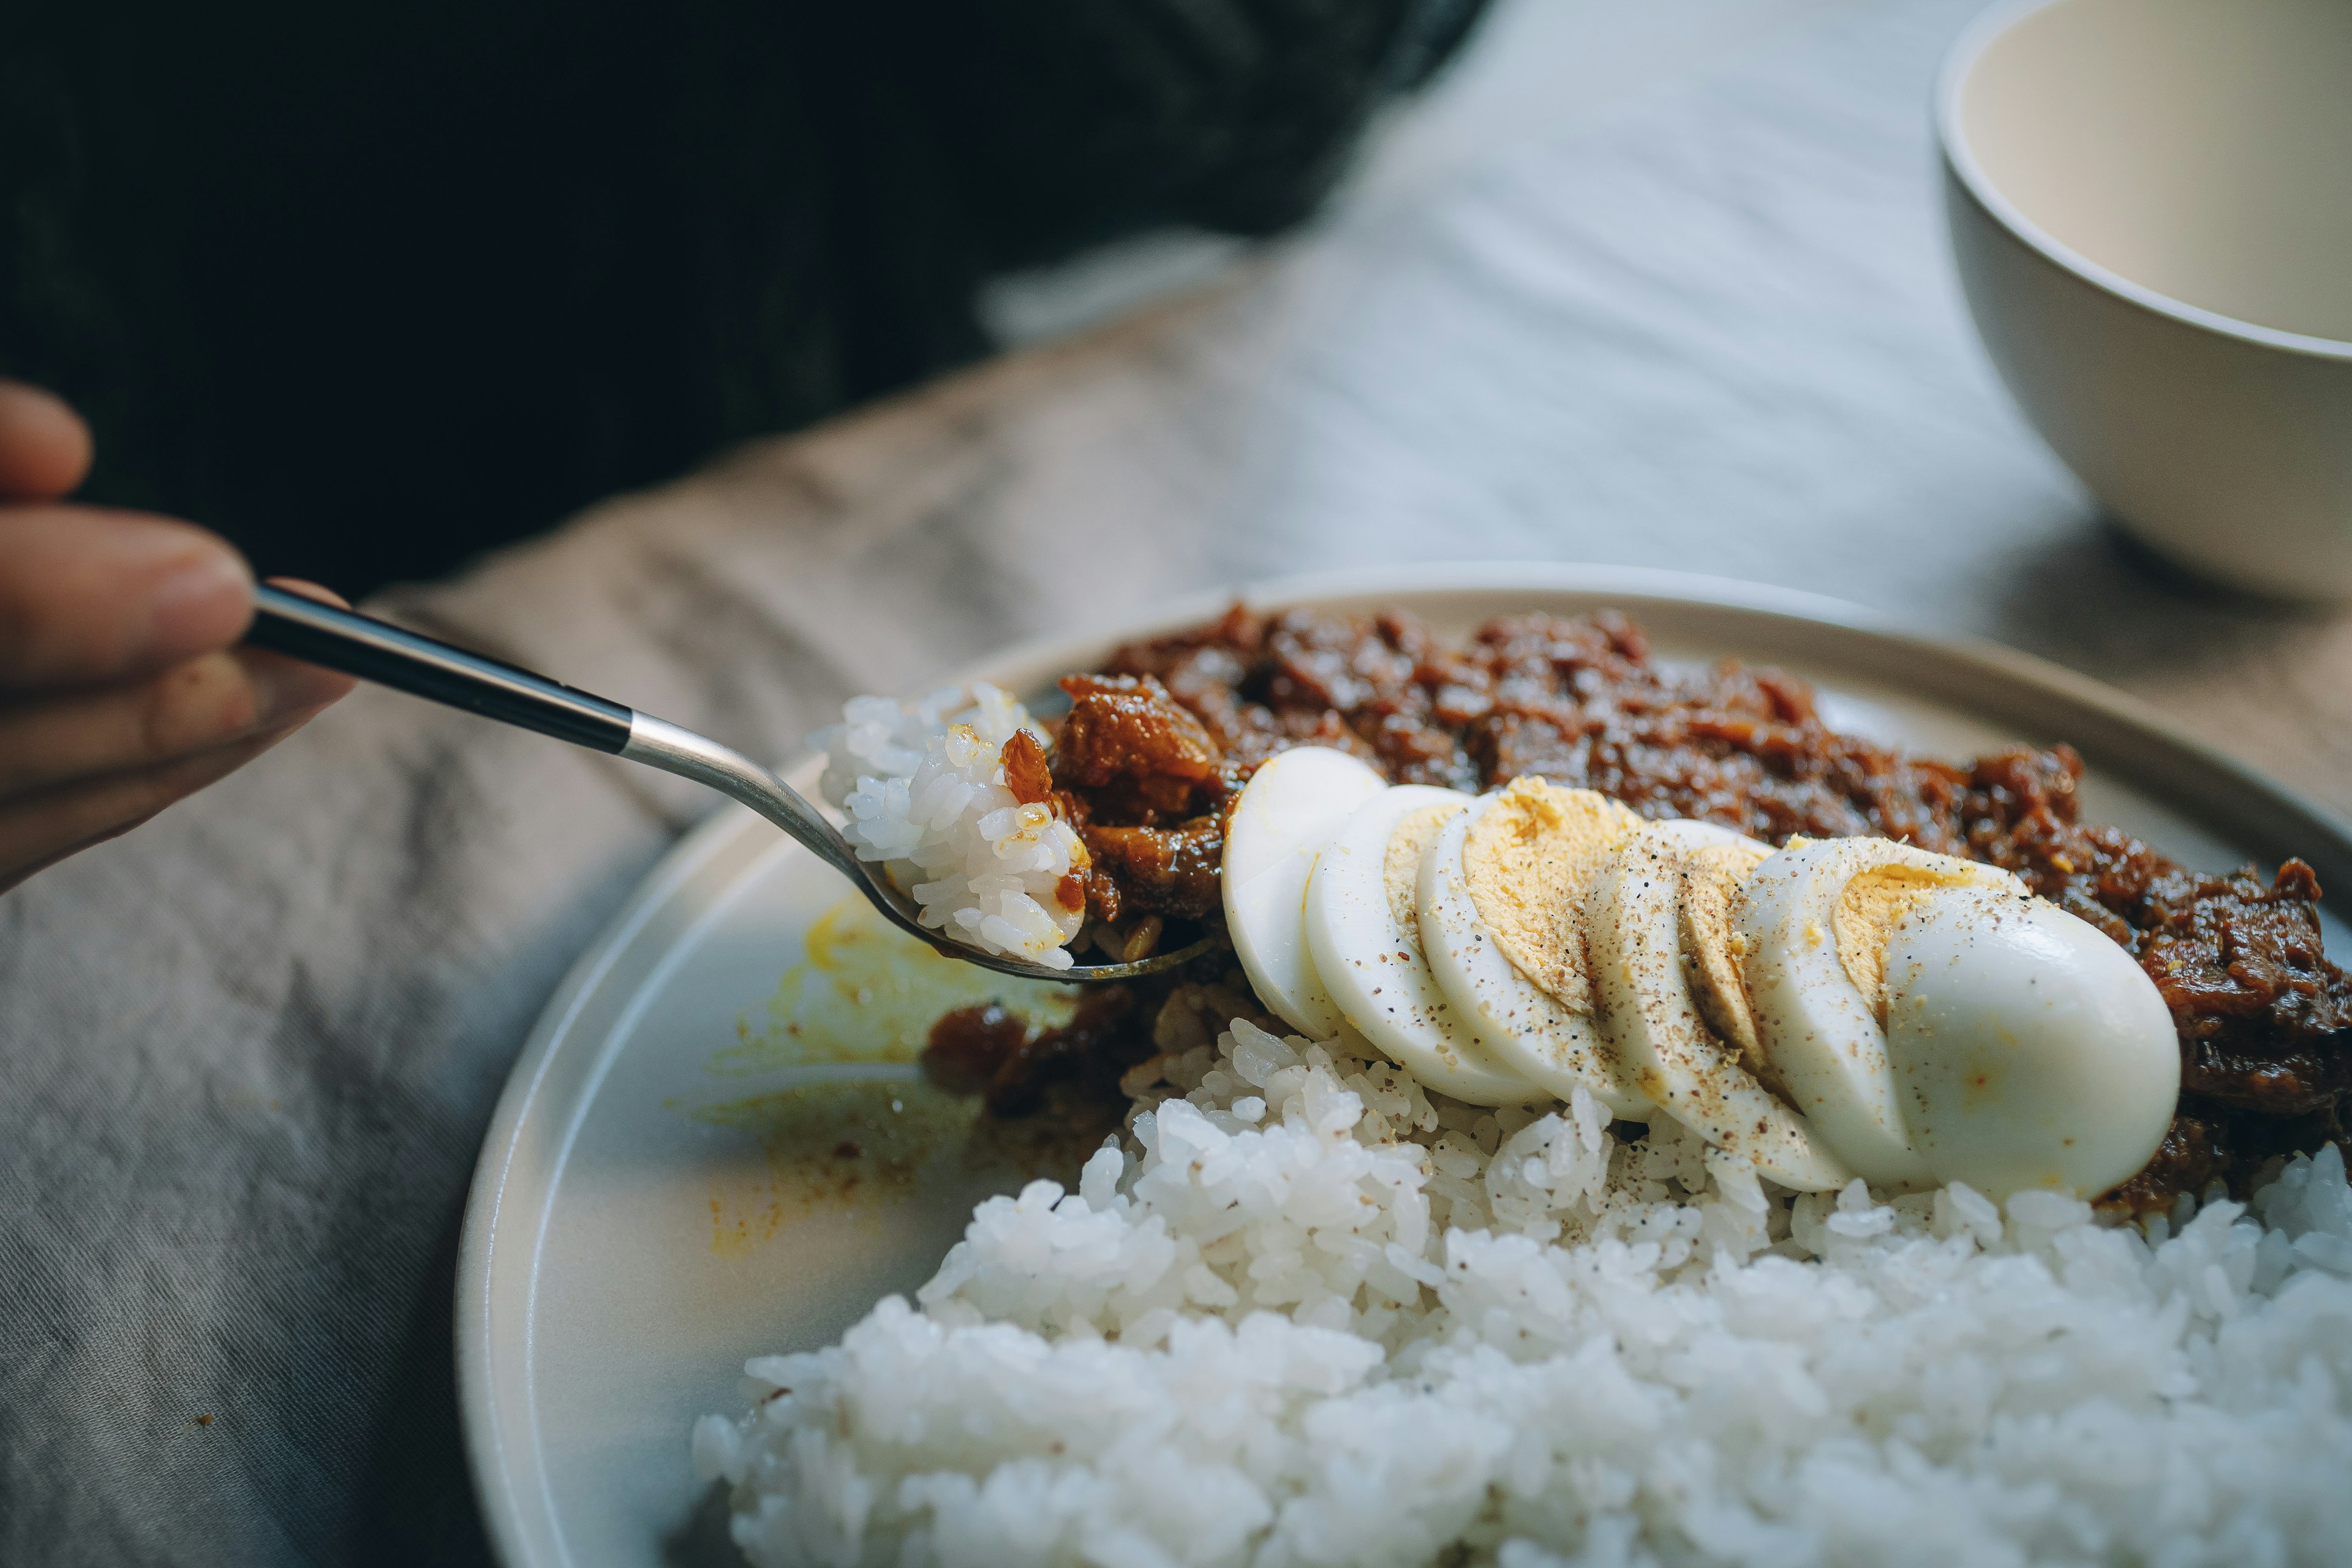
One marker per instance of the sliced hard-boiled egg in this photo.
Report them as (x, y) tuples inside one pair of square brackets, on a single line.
[(1291, 804), (1526, 1027), (1526, 858), (1814, 918), (1713, 874), (1364, 941), (2030, 1050), (1652, 960)]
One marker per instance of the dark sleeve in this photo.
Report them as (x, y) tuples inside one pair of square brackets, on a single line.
[(373, 288), (1079, 119)]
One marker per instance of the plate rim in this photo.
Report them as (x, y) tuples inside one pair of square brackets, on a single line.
[(2214, 783)]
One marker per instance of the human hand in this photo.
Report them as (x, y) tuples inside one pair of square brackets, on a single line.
[(121, 687)]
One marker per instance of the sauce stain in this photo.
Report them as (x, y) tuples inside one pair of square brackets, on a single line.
[(867, 992), (835, 1144), (833, 1138)]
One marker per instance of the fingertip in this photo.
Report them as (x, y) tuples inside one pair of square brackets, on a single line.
[(45, 447), (201, 593)]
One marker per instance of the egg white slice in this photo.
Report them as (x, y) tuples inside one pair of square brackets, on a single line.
[(2029, 1049), (1290, 805), (1365, 944), (1811, 949), (1642, 990), (1523, 1026)]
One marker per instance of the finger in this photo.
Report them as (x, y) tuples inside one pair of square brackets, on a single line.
[(194, 706), (44, 829), (310, 590), (90, 596), (44, 446)]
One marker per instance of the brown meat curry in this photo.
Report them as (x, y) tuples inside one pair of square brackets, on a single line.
[(1157, 745)]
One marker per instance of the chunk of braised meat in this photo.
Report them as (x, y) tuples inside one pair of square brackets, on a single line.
[(2195, 1152), (1204, 669), (1026, 772), (1142, 757), (968, 1047), (1306, 678), (1148, 788), (1357, 686), (2265, 1020), (2209, 1142), (2019, 810), (1164, 870), (987, 1049)]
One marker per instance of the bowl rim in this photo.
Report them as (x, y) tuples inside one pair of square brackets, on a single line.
[(1960, 161)]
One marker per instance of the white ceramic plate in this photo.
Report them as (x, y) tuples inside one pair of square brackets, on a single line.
[(640, 1223)]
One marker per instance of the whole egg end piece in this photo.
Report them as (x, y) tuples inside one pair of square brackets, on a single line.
[(2030, 1050)]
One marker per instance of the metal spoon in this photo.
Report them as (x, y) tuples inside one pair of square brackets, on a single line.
[(388, 655)]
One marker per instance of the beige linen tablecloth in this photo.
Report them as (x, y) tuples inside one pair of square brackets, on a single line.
[(247, 1053)]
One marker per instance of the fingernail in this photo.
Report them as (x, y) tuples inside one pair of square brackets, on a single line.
[(198, 604)]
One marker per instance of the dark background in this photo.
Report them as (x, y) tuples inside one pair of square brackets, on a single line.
[(371, 289)]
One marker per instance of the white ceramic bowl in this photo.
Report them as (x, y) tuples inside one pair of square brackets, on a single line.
[(2151, 208)]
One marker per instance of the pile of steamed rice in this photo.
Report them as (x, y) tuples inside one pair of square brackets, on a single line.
[(1309, 1313), (923, 786)]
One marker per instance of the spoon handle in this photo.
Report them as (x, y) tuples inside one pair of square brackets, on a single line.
[(409, 661), (406, 661)]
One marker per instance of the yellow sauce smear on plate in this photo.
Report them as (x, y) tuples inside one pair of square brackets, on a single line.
[(845, 1120), (867, 992)]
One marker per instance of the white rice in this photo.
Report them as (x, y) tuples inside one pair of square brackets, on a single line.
[(923, 784), (1310, 1313)]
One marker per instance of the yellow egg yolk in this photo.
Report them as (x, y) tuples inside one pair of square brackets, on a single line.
[(1526, 861), (1869, 908)]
